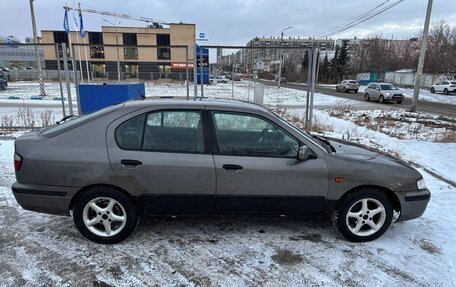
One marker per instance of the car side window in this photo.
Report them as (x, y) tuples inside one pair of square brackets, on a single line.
[(444, 83), (129, 134), (250, 135), (174, 131), (163, 131)]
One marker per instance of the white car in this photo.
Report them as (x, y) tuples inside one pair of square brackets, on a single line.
[(445, 87)]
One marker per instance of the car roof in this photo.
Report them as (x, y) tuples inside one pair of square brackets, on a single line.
[(199, 103)]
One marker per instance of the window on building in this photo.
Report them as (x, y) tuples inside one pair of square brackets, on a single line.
[(163, 53), (97, 49), (130, 39)]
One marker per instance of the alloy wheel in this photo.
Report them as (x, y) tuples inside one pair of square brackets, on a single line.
[(365, 217)]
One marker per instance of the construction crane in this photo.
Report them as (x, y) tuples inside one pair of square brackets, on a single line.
[(156, 23)]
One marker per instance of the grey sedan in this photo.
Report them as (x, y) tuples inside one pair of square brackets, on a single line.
[(172, 157)]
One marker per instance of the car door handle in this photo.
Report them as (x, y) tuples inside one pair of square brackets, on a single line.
[(130, 162), (232, 167)]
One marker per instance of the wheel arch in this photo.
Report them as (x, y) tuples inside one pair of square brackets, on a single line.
[(92, 186), (389, 193)]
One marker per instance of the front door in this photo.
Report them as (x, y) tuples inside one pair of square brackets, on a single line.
[(258, 170), (161, 158)]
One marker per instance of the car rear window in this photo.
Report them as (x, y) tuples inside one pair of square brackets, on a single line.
[(453, 83), (77, 121), (353, 82)]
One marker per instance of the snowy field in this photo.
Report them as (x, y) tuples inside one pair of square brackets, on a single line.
[(44, 250)]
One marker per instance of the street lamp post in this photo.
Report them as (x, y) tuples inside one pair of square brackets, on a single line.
[(117, 47), (37, 55), (281, 57)]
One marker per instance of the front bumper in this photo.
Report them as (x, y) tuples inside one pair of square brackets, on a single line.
[(413, 203), (43, 198)]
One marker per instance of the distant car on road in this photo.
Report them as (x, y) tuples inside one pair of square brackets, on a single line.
[(383, 92), (3, 82), (445, 87), (347, 86), (171, 157)]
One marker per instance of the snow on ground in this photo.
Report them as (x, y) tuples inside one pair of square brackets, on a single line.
[(425, 95), (39, 249)]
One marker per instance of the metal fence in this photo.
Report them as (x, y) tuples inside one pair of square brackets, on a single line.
[(256, 74)]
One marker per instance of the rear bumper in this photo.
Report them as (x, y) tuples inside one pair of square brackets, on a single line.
[(42, 198), (413, 203)]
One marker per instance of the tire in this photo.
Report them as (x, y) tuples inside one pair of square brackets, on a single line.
[(445, 91), (381, 99), (361, 203), (114, 208), (345, 90), (366, 97), (356, 91), (399, 102), (432, 90), (337, 89)]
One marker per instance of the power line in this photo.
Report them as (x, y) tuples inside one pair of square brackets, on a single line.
[(356, 18), (363, 19)]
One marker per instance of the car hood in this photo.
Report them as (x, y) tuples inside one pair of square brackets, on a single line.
[(352, 150)]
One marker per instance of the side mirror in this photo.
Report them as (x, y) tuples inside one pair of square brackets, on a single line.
[(304, 153)]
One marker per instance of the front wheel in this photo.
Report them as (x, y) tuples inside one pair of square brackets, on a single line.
[(381, 99), (356, 91), (446, 91), (105, 215), (432, 90), (399, 102), (366, 97), (363, 216)]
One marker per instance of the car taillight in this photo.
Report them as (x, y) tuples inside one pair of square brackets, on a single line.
[(17, 162)]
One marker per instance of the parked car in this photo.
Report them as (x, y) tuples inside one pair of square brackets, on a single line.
[(347, 86), (383, 92), (445, 87), (218, 79), (171, 157), (3, 82)]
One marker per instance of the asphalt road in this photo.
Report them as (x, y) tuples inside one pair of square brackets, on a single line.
[(423, 106)]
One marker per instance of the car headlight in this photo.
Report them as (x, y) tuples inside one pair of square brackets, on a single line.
[(421, 184), (388, 94)]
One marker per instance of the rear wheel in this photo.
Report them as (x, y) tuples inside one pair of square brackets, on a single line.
[(363, 216), (356, 91), (366, 97), (345, 90), (432, 90), (446, 91), (399, 102), (337, 89), (105, 215), (381, 99)]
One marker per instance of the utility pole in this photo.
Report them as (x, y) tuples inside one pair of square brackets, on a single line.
[(281, 56), (419, 69), (37, 51), (117, 47)]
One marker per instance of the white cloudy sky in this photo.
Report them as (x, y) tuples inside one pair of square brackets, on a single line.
[(234, 22)]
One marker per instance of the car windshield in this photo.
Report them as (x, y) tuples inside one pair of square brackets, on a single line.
[(388, 87)]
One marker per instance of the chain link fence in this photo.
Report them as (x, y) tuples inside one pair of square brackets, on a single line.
[(231, 72)]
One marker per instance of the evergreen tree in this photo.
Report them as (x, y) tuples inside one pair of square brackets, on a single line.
[(334, 63), (343, 60), (324, 69)]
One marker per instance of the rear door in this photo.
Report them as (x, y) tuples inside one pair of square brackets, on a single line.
[(258, 171), (161, 157)]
